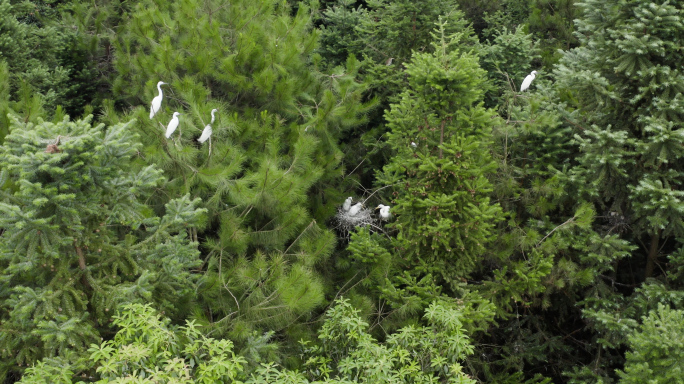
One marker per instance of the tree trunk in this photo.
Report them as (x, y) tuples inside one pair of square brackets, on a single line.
[(652, 254), (81, 257), (81, 264), (441, 138)]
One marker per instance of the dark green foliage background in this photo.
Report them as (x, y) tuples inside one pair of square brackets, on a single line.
[(535, 236)]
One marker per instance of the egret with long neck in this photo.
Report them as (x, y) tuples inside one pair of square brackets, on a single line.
[(173, 124), (206, 133), (156, 102), (346, 206), (528, 81), (384, 211), (212, 115)]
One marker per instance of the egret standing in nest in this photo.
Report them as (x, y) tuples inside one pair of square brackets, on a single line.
[(156, 102), (384, 211), (354, 210), (347, 204), (351, 216)]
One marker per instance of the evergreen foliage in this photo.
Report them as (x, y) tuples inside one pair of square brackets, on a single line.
[(551, 21), (630, 118), (273, 146), (31, 50), (656, 352), (507, 59), (78, 239), (535, 237), (44, 56), (147, 349), (548, 255), (444, 217), (378, 32), (412, 355), (440, 222), (341, 33), (621, 94), (4, 99)]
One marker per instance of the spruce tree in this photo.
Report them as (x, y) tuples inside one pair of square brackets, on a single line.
[(4, 99), (439, 188), (551, 21), (341, 35), (656, 349), (507, 58), (621, 94), (30, 49), (624, 90), (398, 29), (384, 35), (78, 239), (45, 57)]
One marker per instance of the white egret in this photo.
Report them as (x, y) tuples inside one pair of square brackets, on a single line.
[(384, 211), (355, 209), (156, 102), (173, 124), (414, 145), (347, 204), (528, 80), (206, 134), (212, 115)]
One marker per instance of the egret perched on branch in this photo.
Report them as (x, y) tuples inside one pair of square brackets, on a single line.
[(384, 211), (528, 80), (156, 102), (206, 134), (173, 124), (347, 204), (355, 209)]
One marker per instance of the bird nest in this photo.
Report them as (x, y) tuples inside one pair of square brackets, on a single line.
[(346, 222)]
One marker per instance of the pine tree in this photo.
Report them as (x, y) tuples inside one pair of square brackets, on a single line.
[(78, 240), (274, 145)]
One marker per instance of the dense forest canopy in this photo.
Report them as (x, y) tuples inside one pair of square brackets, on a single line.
[(343, 191)]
